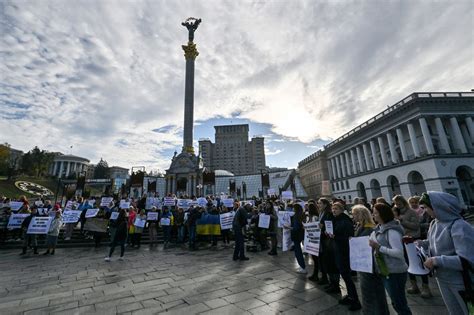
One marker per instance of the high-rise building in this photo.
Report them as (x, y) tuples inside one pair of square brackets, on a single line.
[(233, 151)]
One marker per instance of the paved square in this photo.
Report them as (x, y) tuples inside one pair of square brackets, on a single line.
[(174, 281)]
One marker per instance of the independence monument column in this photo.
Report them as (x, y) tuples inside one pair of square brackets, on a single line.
[(190, 53)]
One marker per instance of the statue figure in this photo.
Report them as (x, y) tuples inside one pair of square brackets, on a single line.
[(192, 25)]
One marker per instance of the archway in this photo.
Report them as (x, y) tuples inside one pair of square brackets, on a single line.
[(393, 186), (416, 183), (375, 188), (465, 176), (361, 190)]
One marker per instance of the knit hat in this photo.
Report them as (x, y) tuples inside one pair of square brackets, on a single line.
[(425, 200)]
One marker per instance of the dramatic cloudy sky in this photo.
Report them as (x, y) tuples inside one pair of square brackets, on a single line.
[(107, 77)]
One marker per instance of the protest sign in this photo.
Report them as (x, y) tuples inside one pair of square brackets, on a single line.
[(39, 225), (214, 202), (114, 215), (284, 218), (264, 221), (153, 202), (287, 195), (416, 258), (252, 202), (90, 213), (169, 201), (202, 202), (229, 203), (329, 228), (312, 235), (91, 202), (15, 205), (16, 220), (43, 211), (139, 223), (96, 225), (287, 242), (124, 204), (184, 203), (165, 221), (152, 216), (38, 203), (271, 192), (105, 201), (71, 205), (71, 216), (360, 254), (226, 220)]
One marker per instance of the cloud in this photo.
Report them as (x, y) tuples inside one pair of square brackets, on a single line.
[(275, 152)]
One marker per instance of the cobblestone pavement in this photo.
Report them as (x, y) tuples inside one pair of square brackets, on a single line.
[(172, 281)]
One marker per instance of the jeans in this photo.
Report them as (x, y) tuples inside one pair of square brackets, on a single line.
[(395, 286), (239, 251), (115, 243), (181, 233), (192, 235), (452, 298), (166, 233), (299, 254), (152, 232), (351, 289)]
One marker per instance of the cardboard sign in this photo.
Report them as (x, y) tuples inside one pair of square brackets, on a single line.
[(271, 192), (202, 202), (287, 195), (329, 228), (39, 225), (229, 203), (416, 259), (264, 221), (153, 202), (169, 201), (92, 203), (124, 204), (312, 236), (284, 218), (16, 220), (139, 223), (114, 215), (71, 216), (152, 216), (165, 221), (15, 205), (43, 211), (226, 220), (184, 203), (91, 213), (105, 201), (360, 254)]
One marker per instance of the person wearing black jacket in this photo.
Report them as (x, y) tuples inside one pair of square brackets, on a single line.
[(120, 235), (194, 214), (240, 221), (29, 238), (326, 250), (343, 230)]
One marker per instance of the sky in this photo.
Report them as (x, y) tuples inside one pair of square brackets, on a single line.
[(107, 77)]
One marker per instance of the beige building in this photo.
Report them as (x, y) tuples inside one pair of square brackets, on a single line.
[(233, 151), (314, 175)]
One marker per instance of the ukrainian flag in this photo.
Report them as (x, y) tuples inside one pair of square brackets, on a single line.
[(208, 224)]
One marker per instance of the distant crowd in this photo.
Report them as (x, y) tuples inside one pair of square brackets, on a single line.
[(432, 222)]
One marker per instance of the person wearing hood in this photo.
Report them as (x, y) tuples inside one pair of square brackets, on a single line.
[(450, 240), (386, 241)]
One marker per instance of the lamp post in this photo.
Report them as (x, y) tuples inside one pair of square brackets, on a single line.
[(199, 187)]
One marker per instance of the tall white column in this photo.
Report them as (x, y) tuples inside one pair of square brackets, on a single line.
[(68, 168), (333, 168), (55, 167), (391, 146), (366, 156), (359, 158), (457, 135), (426, 135), (341, 162), (401, 141), (382, 151), (61, 167), (353, 160), (348, 167), (443, 140), (414, 142), (466, 137), (338, 165), (470, 127), (374, 154)]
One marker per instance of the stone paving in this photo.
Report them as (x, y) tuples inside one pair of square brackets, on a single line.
[(172, 281)]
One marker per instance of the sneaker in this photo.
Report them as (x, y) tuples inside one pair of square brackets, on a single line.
[(107, 258), (302, 270), (120, 258)]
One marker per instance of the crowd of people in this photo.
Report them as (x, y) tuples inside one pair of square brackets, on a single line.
[(432, 221)]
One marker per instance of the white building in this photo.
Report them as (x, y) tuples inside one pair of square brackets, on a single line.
[(65, 165), (425, 142)]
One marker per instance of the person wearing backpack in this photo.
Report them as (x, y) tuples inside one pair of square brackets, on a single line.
[(450, 242)]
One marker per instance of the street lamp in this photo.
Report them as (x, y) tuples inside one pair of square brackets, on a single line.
[(199, 187)]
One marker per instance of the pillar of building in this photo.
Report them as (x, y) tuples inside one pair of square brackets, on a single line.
[(401, 142), (359, 158), (353, 160), (382, 151), (470, 127), (348, 167), (341, 162), (443, 139), (467, 140), (333, 169), (426, 135), (366, 157), (55, 167), (61, 167), (414, 142), (457, 135), (391, 147), (338, 166), (374, 154), (68, 167)]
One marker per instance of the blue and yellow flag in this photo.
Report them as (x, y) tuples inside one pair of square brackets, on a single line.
[(208, 224)]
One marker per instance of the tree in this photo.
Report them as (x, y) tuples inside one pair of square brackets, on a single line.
[(102, 170), (4, 159), (36, 162)]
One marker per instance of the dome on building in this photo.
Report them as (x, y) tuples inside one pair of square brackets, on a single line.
[(103, 163), (223, 173)]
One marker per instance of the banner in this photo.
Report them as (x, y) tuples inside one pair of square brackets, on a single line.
[(114, 215), (96, 225), (287, 195), (264, 221), (90, 213), (153, 202), (202, 202), (169, 201), (165, 221), (226, 220), (124, 204), (39, 225), (271, 192), (152, 216), (416, 259), (139, 223), (15, 205), (229, 203), (71, 216), (312, 235), (284, 218), (184, 203), (360, 254), (38, 203), (16, 220), (287, 242), (105, 201), (329, 228)]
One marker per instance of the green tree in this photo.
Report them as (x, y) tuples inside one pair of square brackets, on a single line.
[(102, 170), (36, 162), (4, 159)]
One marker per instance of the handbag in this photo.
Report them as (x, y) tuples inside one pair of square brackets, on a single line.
[(468, 294)]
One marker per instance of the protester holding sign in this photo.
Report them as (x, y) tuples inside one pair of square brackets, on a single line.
[(371, 285), (29, 239), (273, 227), (297, 236), (139, 223), (132, 214), (314, 217), (53, 233), (326, 250), (179, 222), (240, 221), (120, 235), (166, 222), (226, 232), (152, 219)]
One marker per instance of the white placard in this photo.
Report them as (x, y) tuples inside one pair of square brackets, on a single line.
[(38, 203), (252, 202), (360, 254), (287, 195), (271, 192), (43, 211), (184, 203), (114, 215), (16, 220), (329, 228), (228, 203), (139, 223), (124, 204), (152, 216), (312, 235), (91, 203), (15, 205), (287, 242), (415, 260), (71, 216), (264, 221), (39, 225), (165, 221), (153, 202), (105, 201), (284, 218), (226, 220), (91, 213), (202, 202), (70, 205), (169, 201)]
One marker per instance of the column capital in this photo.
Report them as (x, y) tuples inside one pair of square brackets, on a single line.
[(190, 51)]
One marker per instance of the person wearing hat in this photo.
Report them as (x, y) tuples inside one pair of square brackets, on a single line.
[(53, 232)]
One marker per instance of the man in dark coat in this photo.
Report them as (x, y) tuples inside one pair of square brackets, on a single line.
[(240, 221)]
